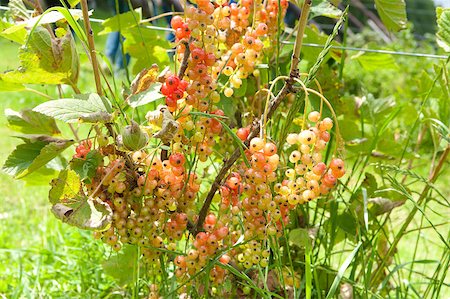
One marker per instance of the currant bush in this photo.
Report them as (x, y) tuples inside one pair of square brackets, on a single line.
[(152, 176)]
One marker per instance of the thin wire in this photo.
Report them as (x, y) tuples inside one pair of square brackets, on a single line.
[(312, 45), (400, 53)]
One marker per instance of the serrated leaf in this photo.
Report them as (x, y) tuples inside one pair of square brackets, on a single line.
[(326, 9), (122, 21), (443, 24), (66, 186), (28, 157), (392, 13), (28, 121), (41, 176), (92, 108), (85, 213), (86, 168), (48, 153), (22, 157), (46, 60), (121, 266)]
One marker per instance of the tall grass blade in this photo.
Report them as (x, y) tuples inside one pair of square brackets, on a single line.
[(341, 271)]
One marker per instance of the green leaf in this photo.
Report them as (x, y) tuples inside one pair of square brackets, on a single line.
[(374, 61), (325, 9), (147, 45), (46, 60), (66, 186), (443, 23), (90, 108), (122, 21), (22, 157), (31, 156), (240, 92), (42, 176), (150, 95), (48, 153), (300, 237), (347, 223), (121, 266), (16, 33), (8, 86), (29, 122), (86, 168), (392, 13), (84, 213)]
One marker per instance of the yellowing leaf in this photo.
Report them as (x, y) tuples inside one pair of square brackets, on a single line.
[(144, 79), (169, 127), (85, 213), (66, 186), (46, 60), (145, 88)]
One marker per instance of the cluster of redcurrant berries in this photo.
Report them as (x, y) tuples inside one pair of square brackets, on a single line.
[(205, 246), (173, 88), (309, 177), (83, 149)]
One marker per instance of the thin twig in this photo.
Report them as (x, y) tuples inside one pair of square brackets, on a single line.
[(184, 62), (92, 52), (166, 14)]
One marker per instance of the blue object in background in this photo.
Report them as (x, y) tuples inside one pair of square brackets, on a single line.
[(113, 42), (114, 51)]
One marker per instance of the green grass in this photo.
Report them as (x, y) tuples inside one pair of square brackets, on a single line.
[(41, 257)]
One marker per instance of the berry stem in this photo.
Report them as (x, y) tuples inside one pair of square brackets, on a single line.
[(184, 62)]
